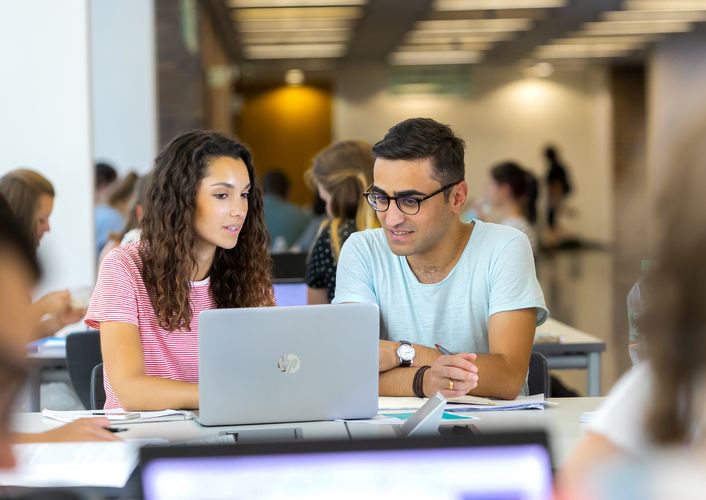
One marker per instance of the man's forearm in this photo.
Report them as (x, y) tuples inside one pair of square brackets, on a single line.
[(498, 378), (397, 382)]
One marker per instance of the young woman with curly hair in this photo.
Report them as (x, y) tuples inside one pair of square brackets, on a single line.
[(203, 246)]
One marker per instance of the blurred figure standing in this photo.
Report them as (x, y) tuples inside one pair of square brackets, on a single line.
[(558, 188)]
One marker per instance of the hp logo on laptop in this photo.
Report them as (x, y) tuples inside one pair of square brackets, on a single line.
[(289, 363)]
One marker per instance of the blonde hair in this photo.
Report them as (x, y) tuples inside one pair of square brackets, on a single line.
[(22, 188), (344, 170)]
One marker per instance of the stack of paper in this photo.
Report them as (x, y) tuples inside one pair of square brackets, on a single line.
[(72, 464), (467, 403), (117, 415)]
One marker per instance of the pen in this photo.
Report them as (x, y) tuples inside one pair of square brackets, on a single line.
[(115, 429), (442, 349)]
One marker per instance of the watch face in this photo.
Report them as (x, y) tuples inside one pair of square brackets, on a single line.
[(405, 352)]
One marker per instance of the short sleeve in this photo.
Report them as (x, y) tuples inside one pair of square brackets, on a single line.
[(620, 418), (513, 280), (115, 295), (354, 277), (320, 264)]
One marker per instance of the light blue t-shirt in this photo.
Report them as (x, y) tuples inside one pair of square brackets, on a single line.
[(494, 274)]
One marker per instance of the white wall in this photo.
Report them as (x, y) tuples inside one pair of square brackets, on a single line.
[(124, 83), (504, 116), (45, 123), (676, 101)]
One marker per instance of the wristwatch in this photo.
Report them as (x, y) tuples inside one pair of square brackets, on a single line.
[(406, 353)]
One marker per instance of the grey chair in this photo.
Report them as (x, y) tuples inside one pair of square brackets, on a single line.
[(83, 353), (97, 388), (538, 375)]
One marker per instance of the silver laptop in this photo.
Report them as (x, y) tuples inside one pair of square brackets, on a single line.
[(288, 364)]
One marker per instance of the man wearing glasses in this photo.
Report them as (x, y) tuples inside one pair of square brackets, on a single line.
[(470, 288)]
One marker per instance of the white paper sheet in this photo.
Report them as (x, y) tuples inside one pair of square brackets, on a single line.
[(145, 416), (72, 464)]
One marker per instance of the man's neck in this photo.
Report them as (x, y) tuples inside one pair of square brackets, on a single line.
[(433, 266)]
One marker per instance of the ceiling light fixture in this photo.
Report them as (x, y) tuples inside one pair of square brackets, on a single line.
[(457, 5)]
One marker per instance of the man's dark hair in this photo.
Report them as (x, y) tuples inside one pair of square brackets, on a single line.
[(276, 182), (418, 138), (105, 174), (14, 238)]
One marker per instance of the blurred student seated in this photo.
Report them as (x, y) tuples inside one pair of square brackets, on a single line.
[(19, 272), (284, 220), (340, 174), (110, 216), (659, 405), (31, 197), (131, 232), (510, 199)]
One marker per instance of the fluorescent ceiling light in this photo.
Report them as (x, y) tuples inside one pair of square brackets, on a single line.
[(655, 15), (311, 36), (424, 47), (665, 5), (303, 51), (435, 58), (635, 27), (292, 3), (293, 25), (474, 25), (299, 13), (618, 39), (559, 52), (453, 5), (580, 49), (447, 37)]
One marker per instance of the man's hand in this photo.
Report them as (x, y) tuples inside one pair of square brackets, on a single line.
[(458, 368)]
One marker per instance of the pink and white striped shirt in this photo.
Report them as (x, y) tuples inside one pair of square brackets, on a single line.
[(120, 295)]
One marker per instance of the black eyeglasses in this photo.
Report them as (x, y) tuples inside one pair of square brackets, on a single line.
[(408, 205)]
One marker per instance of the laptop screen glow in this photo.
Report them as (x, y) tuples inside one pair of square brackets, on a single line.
[(290, 294), (515, 472)]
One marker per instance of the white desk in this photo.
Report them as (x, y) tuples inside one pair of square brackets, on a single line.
[(576, 350), (561, 422)]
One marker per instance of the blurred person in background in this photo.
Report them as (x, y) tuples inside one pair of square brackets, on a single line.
[(558, 189), (131, 232), (31, 197), (340, 174), (105, 177), (661, 403), (284, 220), (512, 193), (19, 272), (110, 216)]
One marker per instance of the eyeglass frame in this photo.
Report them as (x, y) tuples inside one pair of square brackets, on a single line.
[(419, 201)]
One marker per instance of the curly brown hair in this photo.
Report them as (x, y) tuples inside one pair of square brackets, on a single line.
[(239, 277)]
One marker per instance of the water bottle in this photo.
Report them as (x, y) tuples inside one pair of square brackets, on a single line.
[(636, 344)]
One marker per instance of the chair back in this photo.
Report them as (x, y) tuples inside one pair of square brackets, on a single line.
[(97, 388), (538, 375), (83, 352)]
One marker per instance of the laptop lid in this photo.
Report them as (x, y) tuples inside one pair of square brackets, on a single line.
[(504, 466), (288, 364)]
